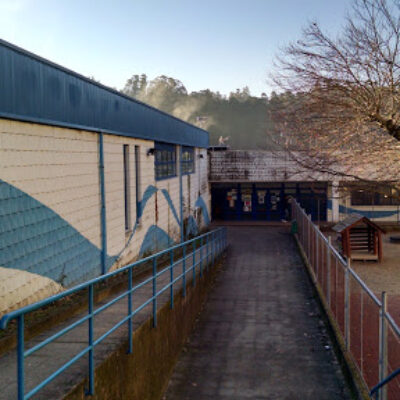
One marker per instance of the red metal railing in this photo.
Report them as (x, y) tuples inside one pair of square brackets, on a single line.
[(371, 336)]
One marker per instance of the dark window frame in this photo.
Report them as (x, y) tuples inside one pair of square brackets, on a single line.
[(137, 184), (373, 196), (127, 192), (164, 161), (187, 160)]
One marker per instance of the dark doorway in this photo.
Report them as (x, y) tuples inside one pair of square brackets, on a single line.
[(266, 201)]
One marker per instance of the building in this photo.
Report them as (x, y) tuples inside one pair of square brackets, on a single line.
[(90, 179), (257, 185)]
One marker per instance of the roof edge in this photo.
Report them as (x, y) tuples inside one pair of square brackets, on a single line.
[(46, 61)]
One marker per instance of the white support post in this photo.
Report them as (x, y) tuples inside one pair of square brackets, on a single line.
[(335, 202)]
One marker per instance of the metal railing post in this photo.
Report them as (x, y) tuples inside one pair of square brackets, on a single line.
[(383, 346), (130, 328), (194, 263), (347, 305), (201, 256), (184, 271), (155, 292), (328, 272), (171, 274), (91, 339), (20, 356)]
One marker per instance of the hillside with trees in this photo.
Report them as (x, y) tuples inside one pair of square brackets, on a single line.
[(241, 116)]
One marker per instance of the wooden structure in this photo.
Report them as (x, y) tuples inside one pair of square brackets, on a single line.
[(361, 238)]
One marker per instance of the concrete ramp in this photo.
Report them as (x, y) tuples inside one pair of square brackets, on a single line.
[(260, 335)]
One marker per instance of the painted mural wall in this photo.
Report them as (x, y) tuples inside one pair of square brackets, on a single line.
[(50, 208), (379, 213)]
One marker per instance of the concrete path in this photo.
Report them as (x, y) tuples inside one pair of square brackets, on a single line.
[(260, 335)]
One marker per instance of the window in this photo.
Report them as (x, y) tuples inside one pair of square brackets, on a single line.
[(378, 196), (165, 161), (127, 194), (187, 160), (137, 183)]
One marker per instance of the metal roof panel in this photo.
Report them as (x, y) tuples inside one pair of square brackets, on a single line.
[(35, 89)]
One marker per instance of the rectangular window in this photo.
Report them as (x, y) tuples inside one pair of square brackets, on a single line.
[(137, 183), (127, 194), (187, 160), (165, 161), (374, 196)]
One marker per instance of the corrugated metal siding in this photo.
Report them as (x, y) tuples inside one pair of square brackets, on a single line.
[(36, 90)]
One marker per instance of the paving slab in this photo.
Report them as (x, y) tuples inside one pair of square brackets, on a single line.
[(260, 335)]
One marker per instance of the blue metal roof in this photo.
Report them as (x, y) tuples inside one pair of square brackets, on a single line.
[(37, 90)]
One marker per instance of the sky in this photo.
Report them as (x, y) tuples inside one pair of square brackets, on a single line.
[(208, 44)]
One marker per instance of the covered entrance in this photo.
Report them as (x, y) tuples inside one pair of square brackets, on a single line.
[(267, 201)]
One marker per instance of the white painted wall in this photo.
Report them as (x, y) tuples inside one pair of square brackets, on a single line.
[(56, 166), (59, 167)]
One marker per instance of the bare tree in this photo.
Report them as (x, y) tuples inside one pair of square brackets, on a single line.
[(342, 114)]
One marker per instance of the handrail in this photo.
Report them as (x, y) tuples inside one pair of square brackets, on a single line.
[(342, 260), (365, 287), (384, 382), (34, 306), (319, 255), (211, 245)]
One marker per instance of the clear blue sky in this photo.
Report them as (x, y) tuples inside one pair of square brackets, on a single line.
[(216, 44)]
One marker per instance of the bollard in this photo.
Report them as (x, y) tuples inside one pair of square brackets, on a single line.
[(293, 228)]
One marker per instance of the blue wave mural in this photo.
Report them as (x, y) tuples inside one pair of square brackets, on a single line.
[(148, 193), (156, 239), (369, 214), (36, 239), (171, 204), (202, 204)]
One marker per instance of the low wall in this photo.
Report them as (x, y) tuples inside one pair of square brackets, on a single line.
[(145, 373)]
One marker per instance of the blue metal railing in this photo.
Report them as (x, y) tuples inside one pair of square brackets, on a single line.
[(211, 246), (375, 390)]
